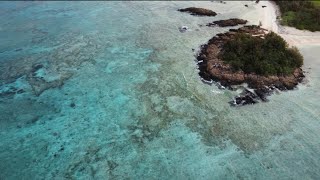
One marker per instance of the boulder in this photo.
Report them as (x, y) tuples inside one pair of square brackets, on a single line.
[(228, 22), (183, 29), (198, 11)]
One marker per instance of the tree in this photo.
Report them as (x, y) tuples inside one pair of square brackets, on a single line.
[(268, 56)]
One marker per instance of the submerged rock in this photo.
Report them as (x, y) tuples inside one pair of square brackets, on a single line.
[(183, 29), (73, 105), (36, 67), (228, 22), (19, 86), (198, 11)]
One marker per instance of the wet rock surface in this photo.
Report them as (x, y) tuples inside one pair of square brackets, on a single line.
[(198, 11), (213, 68), (245, 98), (228, 22)]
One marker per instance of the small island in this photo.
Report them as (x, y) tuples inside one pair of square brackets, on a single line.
[(250, 55), (228, 22), (198, 11)]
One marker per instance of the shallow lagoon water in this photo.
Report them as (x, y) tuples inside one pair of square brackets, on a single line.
[(117, 96)]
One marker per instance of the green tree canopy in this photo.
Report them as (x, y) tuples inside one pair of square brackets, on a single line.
[(268, 56), (301, 14)]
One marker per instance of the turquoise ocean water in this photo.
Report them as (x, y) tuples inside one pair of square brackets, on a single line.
[(110, 90)]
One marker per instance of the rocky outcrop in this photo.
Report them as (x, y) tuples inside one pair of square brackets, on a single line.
[(246, 97), (228, 22), (213, 68), (198, 11)]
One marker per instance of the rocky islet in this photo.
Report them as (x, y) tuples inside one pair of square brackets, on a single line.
[(213, 68), (198, 11), (228, 22)]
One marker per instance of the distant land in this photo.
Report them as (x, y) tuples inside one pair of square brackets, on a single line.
[(303, 15)]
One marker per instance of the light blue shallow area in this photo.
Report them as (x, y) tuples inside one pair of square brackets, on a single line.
[(110, 90)]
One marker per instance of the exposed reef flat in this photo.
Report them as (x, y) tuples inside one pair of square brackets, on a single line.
[(198, 11), (213, 68), (228, 22)]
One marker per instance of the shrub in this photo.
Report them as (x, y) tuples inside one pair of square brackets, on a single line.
[(301, 14), (268, 56)]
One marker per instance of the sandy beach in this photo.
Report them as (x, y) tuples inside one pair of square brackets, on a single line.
[(292, 35)]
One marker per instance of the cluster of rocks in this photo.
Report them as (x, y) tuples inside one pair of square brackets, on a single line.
[(198, 11), (246, 97), (213, 68), (228, 22)]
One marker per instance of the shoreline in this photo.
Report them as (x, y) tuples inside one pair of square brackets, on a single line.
[(293, 36)]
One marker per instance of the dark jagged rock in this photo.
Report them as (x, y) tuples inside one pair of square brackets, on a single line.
[(228, 22), (212, 68), (262, 93), (264, 6), (246, 5), (245, 98), (198, 11)]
